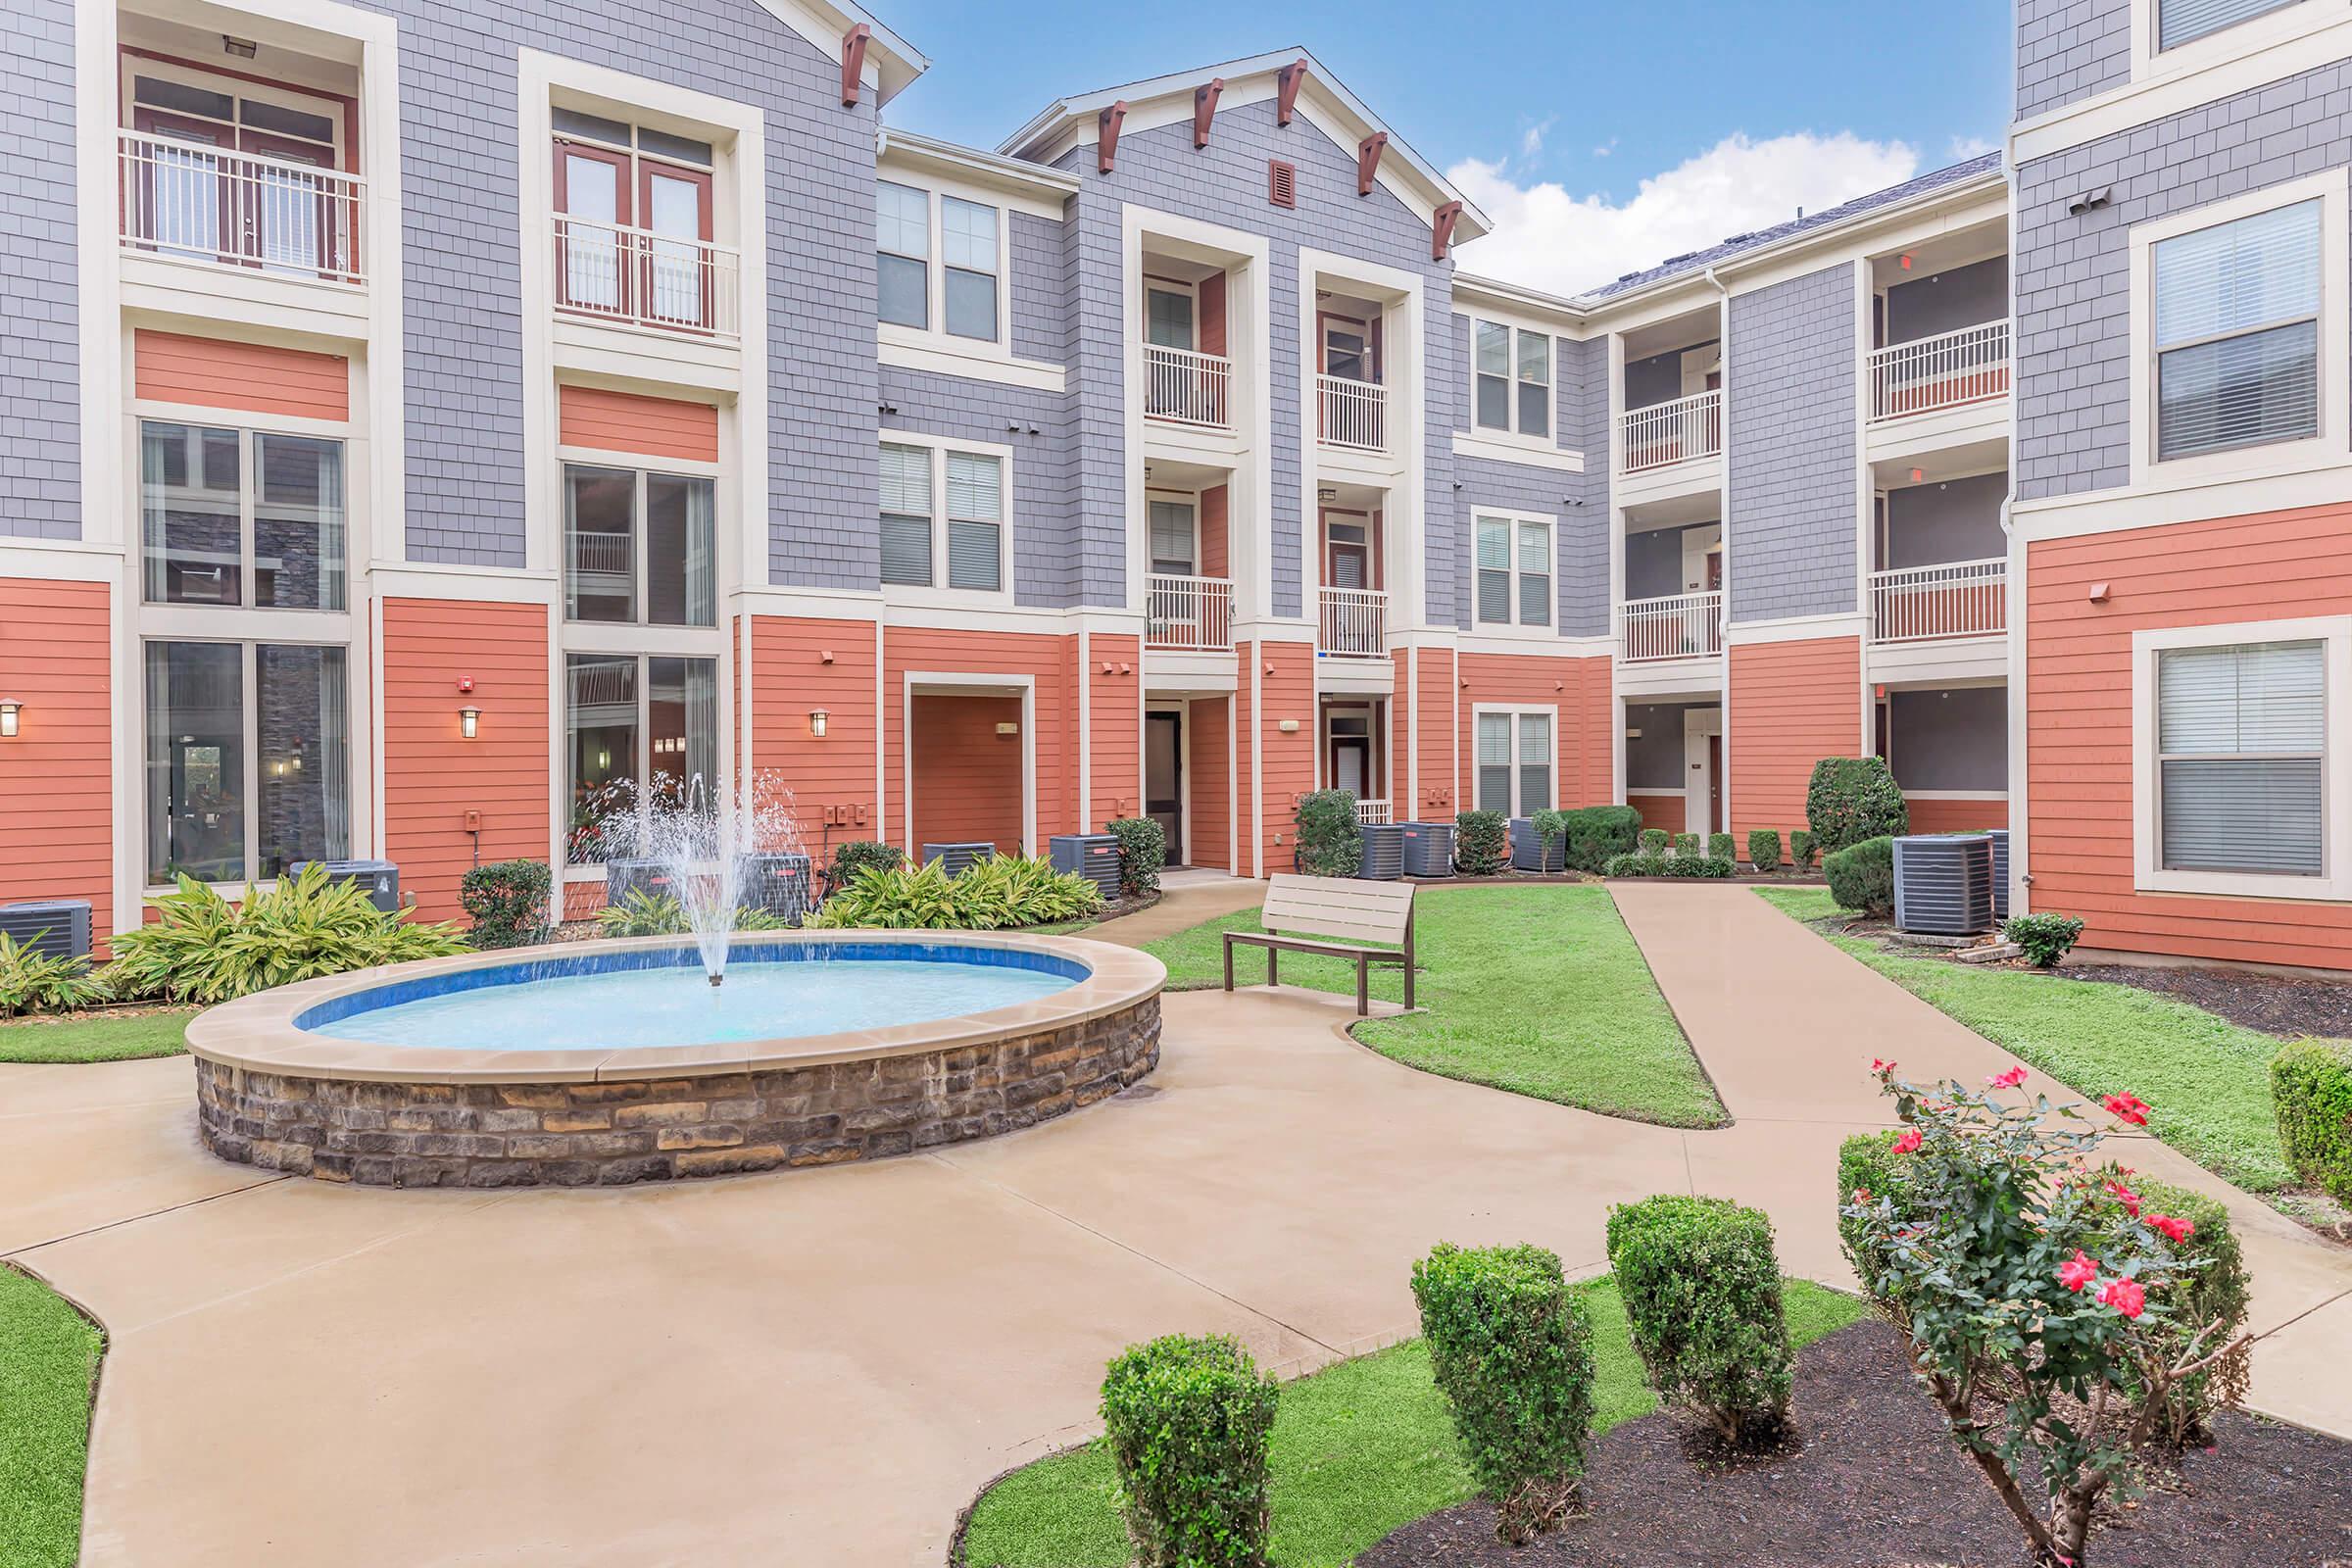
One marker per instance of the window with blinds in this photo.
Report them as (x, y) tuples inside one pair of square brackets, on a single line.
[(906, 515), (1513, 573), (1494, 763), (1493, 572), (2237, 333), (2240, 748), (1535, 763), (1172, 538), (902, 251), (2180, 21), (1535, 575), (975, 521)]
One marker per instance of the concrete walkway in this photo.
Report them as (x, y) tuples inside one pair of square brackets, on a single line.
[(821, 1367)]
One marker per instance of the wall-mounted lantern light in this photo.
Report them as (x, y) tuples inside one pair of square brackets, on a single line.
[(8, 710), (818, 719), (469, 723), (1288, 726)]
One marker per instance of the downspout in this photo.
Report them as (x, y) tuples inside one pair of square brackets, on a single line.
[(1723, 415), (2021, 876)]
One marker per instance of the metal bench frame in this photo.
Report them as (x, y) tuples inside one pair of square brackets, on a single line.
[(1333, 907)]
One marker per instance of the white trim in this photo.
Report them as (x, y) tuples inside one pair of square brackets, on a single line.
[(60, 561), (1515, 632), (934, 335), (1511, 436), (1549, 711), (2123, 509), (1033, 187), (1794, 628), (913, 348), (1486, 446), (2148, 875)]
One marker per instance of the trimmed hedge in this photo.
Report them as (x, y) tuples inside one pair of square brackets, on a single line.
[(1591, 835), (1692, 867), (1851, 798), (2311, 1090), (1720, 847), (1331, 837), (1512, 1349), (1862, 876), (1655, 839), (1143, 851), (856, 856), (1801, 849), (2219, 1291), (1702, 1292), (508, 899), (1764, 849), (1869, 1170), (1686, 844), (1186, 1421), (2046, 938), (1481, 842)]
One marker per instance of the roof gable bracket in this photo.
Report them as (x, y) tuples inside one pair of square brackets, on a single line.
[(1367, 161), (1106, 135), (1204, 109), (853, 62), (1285, 99), (1441, 229)]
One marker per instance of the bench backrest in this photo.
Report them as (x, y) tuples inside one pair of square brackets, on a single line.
[(1337, 906)]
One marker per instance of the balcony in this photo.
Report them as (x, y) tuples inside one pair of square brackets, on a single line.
[(635, 277), (1188, 614), (1945, 371), (1372, 814), (1667, 433), (1674, 626), (1955, 599), (1183, 387), (1351, 623), (193, 202), (1352, 414)]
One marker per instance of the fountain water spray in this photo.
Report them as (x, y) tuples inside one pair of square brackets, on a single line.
[(704, 837)]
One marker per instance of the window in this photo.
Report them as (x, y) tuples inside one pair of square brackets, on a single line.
[(1508, 549), (903, 239), (1172, 552), (248, 759), (966, 300), (2237, 333), (638, 548), (632, 718), (967, 234), (906, 515), (218, 173), (916, 534), (240, 517), (976, 522), (1515, 760), (635, 221), (2178, 21), (2240, 757), (1169, 316), (1512, 379)]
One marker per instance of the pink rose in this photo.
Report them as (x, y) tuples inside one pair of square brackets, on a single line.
[(2007, 1080), (2077, 1271), (1909, 1143), (2128, 1107), (2126, 1296), (2179, 1230)]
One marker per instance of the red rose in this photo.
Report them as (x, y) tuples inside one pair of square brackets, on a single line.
[(2077, 1271), (2126, 1296), (2007, 1080), (2128, 1107), (1909, 1143), (2179, 1230)]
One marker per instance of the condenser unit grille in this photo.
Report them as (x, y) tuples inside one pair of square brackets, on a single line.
[(1091, 855), (1427, 849), (1943, 885), (1528, 852), (1384, 852), (958, 859)]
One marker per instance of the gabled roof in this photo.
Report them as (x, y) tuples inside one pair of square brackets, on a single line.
[(1055, 123), (893, 60)]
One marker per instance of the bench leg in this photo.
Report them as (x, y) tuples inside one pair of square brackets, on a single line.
[(1273, 967), (1229, 962), (1363, 987)]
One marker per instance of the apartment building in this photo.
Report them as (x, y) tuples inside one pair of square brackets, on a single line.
[(424, 418)]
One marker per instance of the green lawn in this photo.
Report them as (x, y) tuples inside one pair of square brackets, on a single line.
[(2206, 1079), (1537, 990), (1359, 1449), (96, 1037), (48, 1356)]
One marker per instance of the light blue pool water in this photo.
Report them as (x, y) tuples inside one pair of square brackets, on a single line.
[(613, 1001)]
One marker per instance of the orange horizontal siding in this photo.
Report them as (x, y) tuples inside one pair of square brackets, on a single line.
[(800, 666), (1659, 811), (251, 378), (57, 775), (1585, 757), (642, 426), (1791, 704), (1956, 816)]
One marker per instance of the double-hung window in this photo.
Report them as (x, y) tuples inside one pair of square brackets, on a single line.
[(968, 234), (902, 254), (2180, 21), (1515, 760), (2241, 758), (963, 295), (967, 533), (1511, 379), (1513, 571), (2236, 334)]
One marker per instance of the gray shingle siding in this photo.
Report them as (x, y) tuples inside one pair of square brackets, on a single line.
[(1041, 288), (2070, 49), (40, 384), (2072, 277), (1792, 478), (955, 406), (1579, 501)]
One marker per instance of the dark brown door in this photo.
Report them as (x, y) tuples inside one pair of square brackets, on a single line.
[(1163, 778), (1715, 822)]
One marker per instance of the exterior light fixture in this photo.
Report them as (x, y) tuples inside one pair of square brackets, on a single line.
[(9, 711), (243, 48), (1288, 726), (818, 719), (469, 723)]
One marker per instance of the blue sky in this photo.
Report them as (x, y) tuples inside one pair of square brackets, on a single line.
[(1730, 112)]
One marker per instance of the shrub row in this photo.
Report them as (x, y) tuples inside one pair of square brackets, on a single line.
[(1591, 835), (1697, 867), (1002, 893)]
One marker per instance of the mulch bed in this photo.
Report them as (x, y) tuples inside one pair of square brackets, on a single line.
[(1875, 1482), (2274, 1003)]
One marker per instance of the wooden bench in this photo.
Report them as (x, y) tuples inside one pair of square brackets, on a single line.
[(1301, 908)]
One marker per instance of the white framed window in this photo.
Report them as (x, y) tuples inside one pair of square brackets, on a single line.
[(1510, 381), (945, 517), (1514, 758), (639, 547), (2233, 789), (1175, 522), (1513, 569), (1171, 313), (2185, 22), (2238, 320), (964, 296), (902, 254), (241, 519), (635, 726)]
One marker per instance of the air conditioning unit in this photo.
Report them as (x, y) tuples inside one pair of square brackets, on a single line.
[(1427, 849), (632, 874), (1384, 852), (1091, 855), (1528, 852), (1943, 884), (55, 928), (381, 879), (781, 884), (2000, 873), (959, 857)]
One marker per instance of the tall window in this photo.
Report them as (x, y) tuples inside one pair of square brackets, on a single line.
[(1514, 572), (219, 172), (240, 517), (639, 720), (248, 759), (903, 262), (2178, 21), (635, 206), (2237, 333), (910, 224), (967, 252), (968, 533), (638, 546), (1514, 762), (1172, 551), (2241, 754), (1512, 379)]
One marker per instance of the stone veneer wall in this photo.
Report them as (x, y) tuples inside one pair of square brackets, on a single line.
[(422, 1134)]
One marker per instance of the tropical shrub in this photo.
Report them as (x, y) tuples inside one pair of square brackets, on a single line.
[(33, 981), (2311, 1091), (1001, 893), (2051, 1311), (1764, 849), (203, 948), (660, 915), (1686, 844), (508, 899), (2220, 1293), (1512, 1349), (1690, 868), (1851, 798), (1719, 846), (1331, 839), (2046, 938), (1702, 1291), (1801, 849), (1595, 833), (1481, 842), (1143, 851), (860, 855), (1654, 840), (1187, 1421), (1862, 876)]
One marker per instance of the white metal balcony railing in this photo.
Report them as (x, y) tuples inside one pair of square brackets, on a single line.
[(1943, 372), (1955, 599), (233, 209), (1351, 623), (1667, 433), (1676, 626), (636, 276), (1182, 386), (605, 555), (1192, 614), (1372, 814), (1351, 414)]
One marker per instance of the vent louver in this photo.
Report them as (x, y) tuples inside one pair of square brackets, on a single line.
[(1282, 183)]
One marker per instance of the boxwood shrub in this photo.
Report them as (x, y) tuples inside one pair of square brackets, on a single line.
[(1801, 849), (1331, 838), (856, 855), (1686, 844), (2311, 1090), (1186, 1421), (1869, 1170), (1511, 1350), (1143, 851), (1764, 849), (1862, 876), (1701, 1287), (508, 899), (1598, 832), (2046, 938), (1719, 846), (1481, 842), (1851, 798), (2219, 1291), (1692, 867), (1654, 840)]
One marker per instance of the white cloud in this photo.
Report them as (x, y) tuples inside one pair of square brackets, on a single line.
[(1966, 147), (1531, 140), (1547, 239)]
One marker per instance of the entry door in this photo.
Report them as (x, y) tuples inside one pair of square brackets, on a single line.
[(675, 204), (1347, 351), (1349, 555), (1350, 764), (592, 190), (1715, 822), (1163, 778)]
